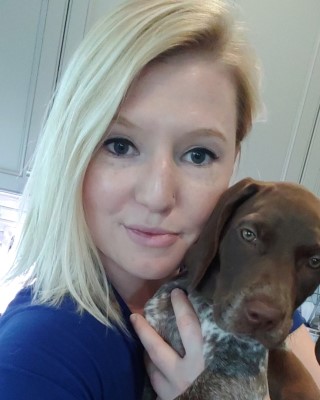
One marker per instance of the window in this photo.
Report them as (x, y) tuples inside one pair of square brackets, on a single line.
[(9, 217)]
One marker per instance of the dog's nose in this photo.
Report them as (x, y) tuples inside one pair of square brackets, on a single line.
[(261, 315)]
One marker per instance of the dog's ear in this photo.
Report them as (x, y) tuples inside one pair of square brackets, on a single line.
[(317, 350), (202, 253)]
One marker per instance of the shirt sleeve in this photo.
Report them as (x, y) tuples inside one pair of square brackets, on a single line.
[(58, 354), (41, 358), (298, 320)]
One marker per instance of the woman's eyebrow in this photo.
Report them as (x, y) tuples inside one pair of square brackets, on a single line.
[(120, 120), (208, 132), (203, 132)]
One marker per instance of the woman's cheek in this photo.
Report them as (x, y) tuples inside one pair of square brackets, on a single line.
[(205, 203)]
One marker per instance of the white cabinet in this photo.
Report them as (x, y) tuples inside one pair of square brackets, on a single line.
[(286, 144), (36, 37), (307, 171), (311, 171)]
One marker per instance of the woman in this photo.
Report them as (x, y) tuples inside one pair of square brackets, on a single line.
[(146, 124)]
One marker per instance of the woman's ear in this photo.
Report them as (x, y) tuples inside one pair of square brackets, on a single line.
[(202, 253)]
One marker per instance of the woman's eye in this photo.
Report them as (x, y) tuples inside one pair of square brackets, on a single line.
[(120, 147), (200, 156)]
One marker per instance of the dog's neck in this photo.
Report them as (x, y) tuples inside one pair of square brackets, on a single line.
[(224, 352)]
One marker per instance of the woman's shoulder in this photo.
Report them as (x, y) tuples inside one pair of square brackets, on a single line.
[(56, 325), (41, 321), (62, 345)]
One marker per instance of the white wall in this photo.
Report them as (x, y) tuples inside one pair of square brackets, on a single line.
[(286, 37)]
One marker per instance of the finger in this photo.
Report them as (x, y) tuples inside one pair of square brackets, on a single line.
[(163, 385), (187, 322), (160, 353), (150, 368), (160, 385), (159, 382), (153, 372)]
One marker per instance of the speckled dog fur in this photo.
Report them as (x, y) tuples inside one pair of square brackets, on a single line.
[(235, 366)]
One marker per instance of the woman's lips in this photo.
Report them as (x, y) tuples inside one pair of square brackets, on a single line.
[(151, 237)]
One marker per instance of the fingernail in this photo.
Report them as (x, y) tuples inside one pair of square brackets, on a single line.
[(133, 318), (177, 291)]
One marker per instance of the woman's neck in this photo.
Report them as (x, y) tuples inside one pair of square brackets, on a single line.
[(136, 291), (136, 297)]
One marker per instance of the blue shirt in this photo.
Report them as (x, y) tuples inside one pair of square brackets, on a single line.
[(57, 354), (298, 320)]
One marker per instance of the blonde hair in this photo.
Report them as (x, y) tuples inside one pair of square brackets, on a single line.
[(55, 248)]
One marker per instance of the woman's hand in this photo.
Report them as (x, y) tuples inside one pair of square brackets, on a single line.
[(170, 375)]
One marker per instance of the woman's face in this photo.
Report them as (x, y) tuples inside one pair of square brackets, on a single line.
[(166, 160)]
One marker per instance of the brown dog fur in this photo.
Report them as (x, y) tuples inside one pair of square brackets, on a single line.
[(255, 286)]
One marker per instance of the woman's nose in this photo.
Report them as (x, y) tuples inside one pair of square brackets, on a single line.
[(156, 188)]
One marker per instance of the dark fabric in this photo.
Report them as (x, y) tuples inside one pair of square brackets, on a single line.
[(298, 320), (56, 353)]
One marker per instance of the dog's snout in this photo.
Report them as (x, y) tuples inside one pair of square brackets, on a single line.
[(261, 315)]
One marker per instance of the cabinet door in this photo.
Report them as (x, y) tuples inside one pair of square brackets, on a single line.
[(307, 169), (286, 36), (30, 44), (311, 171), (37, 38)]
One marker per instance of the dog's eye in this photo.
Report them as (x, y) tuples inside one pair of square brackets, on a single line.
[(314, 262), (248, 235)]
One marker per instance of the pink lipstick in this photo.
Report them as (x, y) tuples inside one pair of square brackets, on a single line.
[(151, 237)]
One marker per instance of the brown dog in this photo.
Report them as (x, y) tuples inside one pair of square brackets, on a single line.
[(256, 261)]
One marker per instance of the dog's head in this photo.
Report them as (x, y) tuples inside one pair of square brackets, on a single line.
[(258, 257)]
